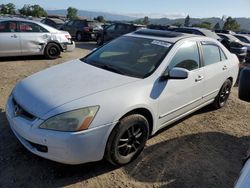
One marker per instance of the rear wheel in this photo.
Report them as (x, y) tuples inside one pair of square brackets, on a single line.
[(223, 95), (52, 51), (127, 140), (99, 41), (79, 36)]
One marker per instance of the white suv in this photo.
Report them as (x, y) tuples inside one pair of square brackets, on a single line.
[(109, 102)]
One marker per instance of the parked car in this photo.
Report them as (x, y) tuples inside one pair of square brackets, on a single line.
[(115, 30), (53, 22), (112, 100), (225, 31), (80, 29), (235, 46), (244, 94), (245, 39), (20, 37), (196, 31)]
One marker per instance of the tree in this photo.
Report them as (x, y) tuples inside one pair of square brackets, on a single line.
[(177, 24), (72, 13), (33, 10), (9, 8), (100, 19), (217, 26), (231, 24), (206, 25), (187, 21), (145, 20)]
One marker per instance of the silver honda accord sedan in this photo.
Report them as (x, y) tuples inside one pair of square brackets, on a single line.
[(21, 37), (109, 102)]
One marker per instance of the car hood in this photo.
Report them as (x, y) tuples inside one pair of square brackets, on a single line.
[(61, 84)]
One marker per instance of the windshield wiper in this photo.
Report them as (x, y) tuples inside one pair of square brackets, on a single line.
[(110, 68)]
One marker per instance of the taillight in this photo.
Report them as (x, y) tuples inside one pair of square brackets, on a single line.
[(68, 37), (86, 29)]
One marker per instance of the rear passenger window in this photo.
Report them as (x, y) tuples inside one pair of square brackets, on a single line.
[(7, 27), (28, 27), (186, 57), (211, 54), (223, 56)]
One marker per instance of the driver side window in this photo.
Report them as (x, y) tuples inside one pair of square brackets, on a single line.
[(186, 57)]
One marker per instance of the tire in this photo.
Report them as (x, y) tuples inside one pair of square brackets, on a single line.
[(127, 140), (223, 95), (52, 51), (79, 36), (244, 88), (99, 41)]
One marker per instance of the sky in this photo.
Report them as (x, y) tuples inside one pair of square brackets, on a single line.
[(151, 8)]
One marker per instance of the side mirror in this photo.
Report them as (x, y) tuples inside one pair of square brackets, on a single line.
[(244, 86), (176, 73)]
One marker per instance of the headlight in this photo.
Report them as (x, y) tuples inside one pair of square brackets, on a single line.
[(76, 120)]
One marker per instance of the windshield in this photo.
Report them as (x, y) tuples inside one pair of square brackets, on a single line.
[(131, 56)]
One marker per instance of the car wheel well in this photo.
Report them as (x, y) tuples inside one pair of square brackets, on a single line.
[(231, 79), (55, 44), (144, 112)]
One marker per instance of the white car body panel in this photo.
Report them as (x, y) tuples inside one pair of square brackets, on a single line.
[(76, 85)]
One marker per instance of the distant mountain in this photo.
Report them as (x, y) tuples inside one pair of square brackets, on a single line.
[(92, 14), (244, 22)]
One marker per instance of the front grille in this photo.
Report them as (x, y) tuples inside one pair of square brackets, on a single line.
[(20, 111)]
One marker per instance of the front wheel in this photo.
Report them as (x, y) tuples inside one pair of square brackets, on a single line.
[(223, 95), (127, 140)]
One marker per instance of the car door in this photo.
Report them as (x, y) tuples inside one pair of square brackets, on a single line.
[(109, 33), (215, 68), (68, 27), (33, 38), (9, 39), (182, 96)]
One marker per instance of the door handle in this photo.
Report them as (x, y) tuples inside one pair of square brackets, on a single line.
[(14, 36), (199, 78), (224, 68)]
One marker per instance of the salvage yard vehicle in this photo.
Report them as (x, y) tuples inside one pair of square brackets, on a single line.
[(246, 39), (81, 29), (109, 103), (21, 37), (114, 31), (196, 31), (235, 46)]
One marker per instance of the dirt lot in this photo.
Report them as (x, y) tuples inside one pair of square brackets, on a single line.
[(204, 150)]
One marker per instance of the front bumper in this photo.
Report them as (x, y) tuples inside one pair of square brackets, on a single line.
[(68, 46), (63, 147)]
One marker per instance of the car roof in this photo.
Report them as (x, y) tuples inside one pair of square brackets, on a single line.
[(169, 36), (56, 20), (50, 29), (229, 36), (205, 32)]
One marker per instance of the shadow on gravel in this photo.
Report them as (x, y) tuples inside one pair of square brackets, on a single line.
[(86, 45), (197, 160), (23, 58)]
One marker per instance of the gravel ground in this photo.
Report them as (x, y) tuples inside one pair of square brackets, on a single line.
[(205, 149)]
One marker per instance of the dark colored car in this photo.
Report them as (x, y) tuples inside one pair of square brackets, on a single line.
[(234, 45), (224, 31), (80, 29), (115, 30), (196, 31), (53, 22), (246, 40)]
